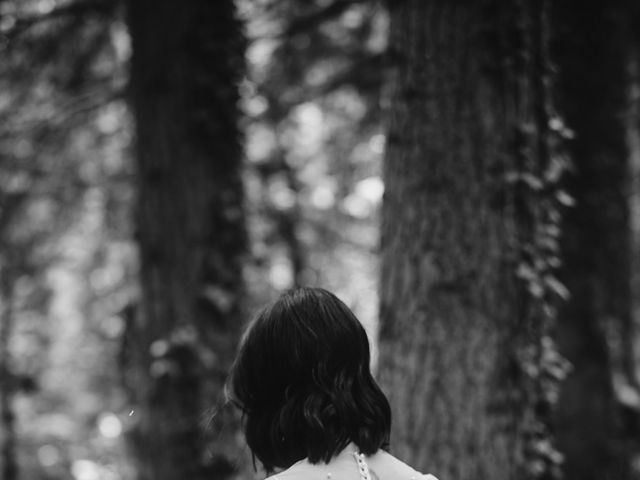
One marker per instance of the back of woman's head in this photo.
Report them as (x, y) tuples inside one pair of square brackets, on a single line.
[(303, 382)]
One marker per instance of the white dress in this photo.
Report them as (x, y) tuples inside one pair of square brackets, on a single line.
[(351, 465)]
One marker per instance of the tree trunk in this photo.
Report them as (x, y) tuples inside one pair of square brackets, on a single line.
[(186, 65), (469, 108), (8, 462), (633, 142), (596, 322)]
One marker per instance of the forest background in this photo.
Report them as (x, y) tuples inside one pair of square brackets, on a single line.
[(465, 175)]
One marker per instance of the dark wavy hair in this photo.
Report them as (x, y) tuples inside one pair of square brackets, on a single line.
[(303, 382)]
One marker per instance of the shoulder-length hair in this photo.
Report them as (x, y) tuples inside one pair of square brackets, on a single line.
[(303, 382)]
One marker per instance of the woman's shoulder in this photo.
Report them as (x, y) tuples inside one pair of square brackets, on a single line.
[(382, 465), (385, 465)]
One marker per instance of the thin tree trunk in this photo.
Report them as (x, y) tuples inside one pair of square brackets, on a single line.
[(287, 220), (469, 108), (8, 462), (187, 62), (289, 223), (10, 258)]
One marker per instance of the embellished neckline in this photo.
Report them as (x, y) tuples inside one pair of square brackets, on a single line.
[(352, 450), (363, 468)]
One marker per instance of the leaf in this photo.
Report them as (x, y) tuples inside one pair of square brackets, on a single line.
[(557, 287), (565, 199)]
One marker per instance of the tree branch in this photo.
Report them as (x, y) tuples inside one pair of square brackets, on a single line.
[(75, 9), (306, 22)]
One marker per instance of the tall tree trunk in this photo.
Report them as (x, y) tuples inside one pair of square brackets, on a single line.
[(11, 261), (633, 141), (593, 58), (186, 65), (469, 108), (8, 461)]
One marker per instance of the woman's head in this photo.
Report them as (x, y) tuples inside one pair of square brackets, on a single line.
[(303, 381)]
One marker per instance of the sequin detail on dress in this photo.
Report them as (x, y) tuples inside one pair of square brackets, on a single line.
[(363, 468)]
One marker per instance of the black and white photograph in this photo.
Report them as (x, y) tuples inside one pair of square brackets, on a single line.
[(320, 240)]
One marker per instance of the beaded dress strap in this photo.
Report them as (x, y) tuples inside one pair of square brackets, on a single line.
[(363, 468)]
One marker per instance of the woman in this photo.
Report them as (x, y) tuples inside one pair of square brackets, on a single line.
[(311, 406)]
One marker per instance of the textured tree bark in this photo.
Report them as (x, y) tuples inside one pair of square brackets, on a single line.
[(592, 55), (633, 142), (467, 92), (8, 454), (186, 65)]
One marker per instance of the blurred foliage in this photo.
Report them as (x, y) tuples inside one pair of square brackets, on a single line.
[(314, 146), (65, 187), (315, 143)]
